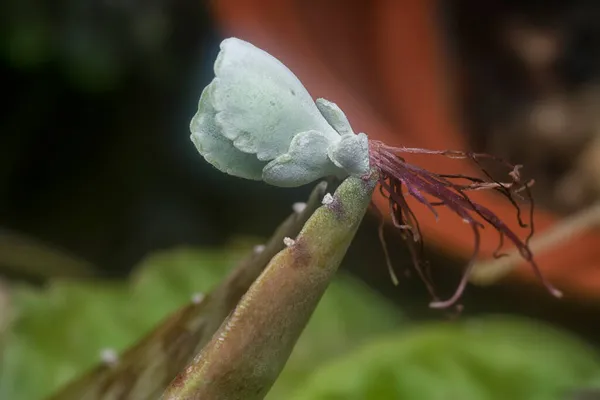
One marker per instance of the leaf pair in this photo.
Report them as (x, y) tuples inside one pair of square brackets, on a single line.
[(256, 120)]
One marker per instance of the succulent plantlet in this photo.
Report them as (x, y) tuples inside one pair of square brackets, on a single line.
[(256, 120)]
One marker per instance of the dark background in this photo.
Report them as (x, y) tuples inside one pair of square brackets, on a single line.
[(95, 157)]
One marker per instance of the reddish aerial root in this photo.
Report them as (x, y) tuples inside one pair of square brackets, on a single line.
[(397, 179)]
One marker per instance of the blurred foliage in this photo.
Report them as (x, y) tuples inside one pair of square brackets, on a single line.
[(490, 358), (348, 316), (348, 351), (95, 42), (24, 256), (61, 331)]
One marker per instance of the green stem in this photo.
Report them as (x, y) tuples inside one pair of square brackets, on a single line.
[(246, 355), (146, 368)]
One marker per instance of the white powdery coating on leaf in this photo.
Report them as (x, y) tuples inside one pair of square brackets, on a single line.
[(288, 241), (256, 121), (261, 104), (351, 154), (327, 199)]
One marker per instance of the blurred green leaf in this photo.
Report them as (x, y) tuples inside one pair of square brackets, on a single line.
[(60, 332), (145, 368), (348, 316), (25, 256), (491, 358)]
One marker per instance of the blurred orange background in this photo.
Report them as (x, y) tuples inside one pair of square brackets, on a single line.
[(385, 63)]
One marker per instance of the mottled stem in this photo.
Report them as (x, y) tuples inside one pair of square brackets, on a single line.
[(246, 355), (146, 368)]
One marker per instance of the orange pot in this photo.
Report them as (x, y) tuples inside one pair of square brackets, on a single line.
[(381, 61)]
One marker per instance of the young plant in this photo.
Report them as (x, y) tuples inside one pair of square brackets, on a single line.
[(256, 121)]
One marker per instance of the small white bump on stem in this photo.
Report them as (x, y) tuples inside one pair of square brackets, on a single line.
[(197, 298), (298, 207), (327, 199), (109, 356), (288, 241)]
